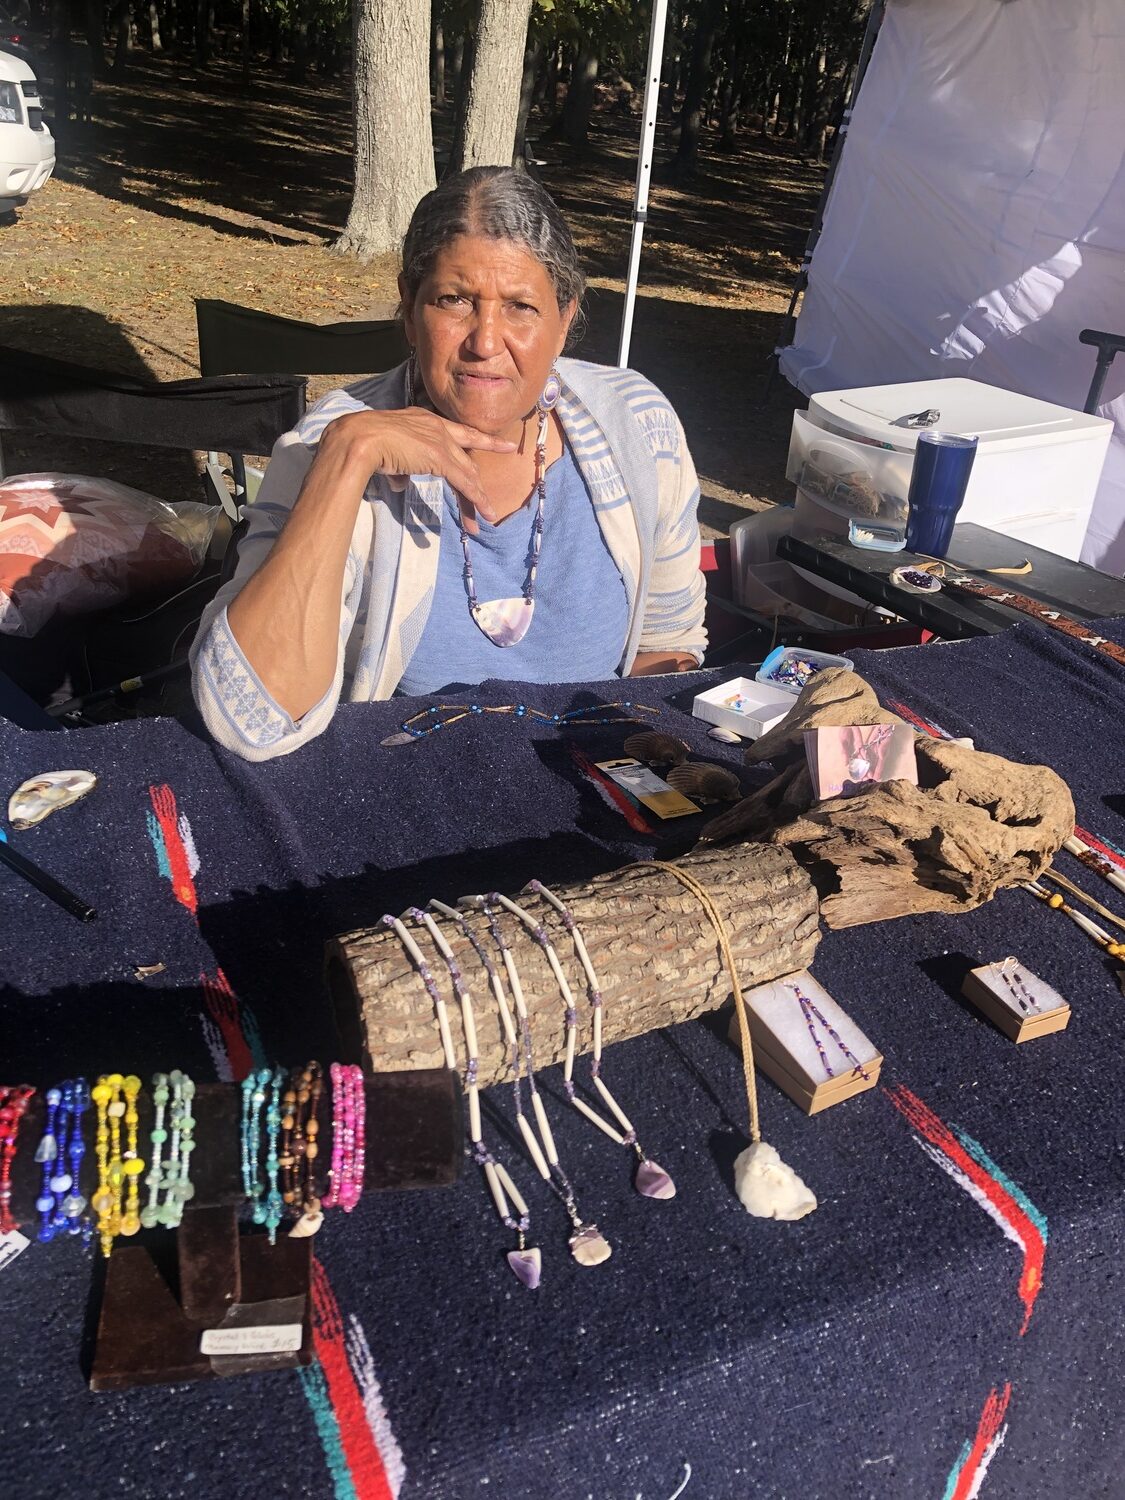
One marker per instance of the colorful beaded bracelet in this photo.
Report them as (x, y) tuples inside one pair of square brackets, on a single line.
[(13, 1107)]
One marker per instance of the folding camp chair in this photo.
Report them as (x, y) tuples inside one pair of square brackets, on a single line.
[(1108, 345), (237, 340), (45, 395)]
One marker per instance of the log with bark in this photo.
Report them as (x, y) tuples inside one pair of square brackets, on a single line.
[(974, 823), (651, 944)]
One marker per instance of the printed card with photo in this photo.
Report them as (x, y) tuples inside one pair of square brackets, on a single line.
[(846, 758)]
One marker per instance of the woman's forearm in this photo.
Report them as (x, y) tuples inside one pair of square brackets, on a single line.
[(650, 663), (286, 618)]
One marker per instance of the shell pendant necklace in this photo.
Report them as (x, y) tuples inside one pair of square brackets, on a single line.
[(506, 621)]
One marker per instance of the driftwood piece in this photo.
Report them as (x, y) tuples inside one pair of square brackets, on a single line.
[(652, 946), (975, 823)]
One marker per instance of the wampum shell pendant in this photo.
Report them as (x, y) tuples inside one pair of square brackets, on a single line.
[(504, 621), (589, 1246)]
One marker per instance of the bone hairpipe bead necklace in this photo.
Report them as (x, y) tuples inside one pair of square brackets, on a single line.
[(651, 1181), (587, 1244), (525, 1263)]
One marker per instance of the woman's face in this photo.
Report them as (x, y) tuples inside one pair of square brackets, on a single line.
[(487, 328)]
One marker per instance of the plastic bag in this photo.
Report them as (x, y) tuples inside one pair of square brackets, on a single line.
[(71, 544)]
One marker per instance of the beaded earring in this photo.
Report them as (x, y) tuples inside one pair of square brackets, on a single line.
[(552, 390)]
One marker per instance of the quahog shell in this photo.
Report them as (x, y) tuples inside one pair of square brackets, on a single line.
[(41, 795)]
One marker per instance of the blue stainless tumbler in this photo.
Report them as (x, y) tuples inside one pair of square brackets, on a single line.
[(940, 477)]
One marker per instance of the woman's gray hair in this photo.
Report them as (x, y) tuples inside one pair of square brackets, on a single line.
[(500, 204)]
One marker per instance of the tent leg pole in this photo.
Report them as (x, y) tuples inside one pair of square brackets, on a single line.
[(644, 172)]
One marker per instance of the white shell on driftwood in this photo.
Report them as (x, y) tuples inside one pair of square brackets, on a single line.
[(769, 1189)]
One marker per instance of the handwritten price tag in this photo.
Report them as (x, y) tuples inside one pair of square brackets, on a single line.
[(283, 1338), (12, 1244)]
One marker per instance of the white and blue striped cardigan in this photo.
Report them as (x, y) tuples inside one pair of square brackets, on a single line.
[(630, 447)]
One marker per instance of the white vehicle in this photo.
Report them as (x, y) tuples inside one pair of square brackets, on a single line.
[(27, 147)]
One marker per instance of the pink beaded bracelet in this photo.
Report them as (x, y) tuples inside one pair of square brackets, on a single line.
[(349, 1112)]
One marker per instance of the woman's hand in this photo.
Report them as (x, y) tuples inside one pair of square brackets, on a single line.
[(412, 441)]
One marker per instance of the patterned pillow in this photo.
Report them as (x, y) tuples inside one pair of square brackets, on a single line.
[(70, 544)]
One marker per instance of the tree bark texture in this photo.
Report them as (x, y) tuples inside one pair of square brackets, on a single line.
[(579, 103), (493, 93), (651, 944), (532, 62), (394, 149)]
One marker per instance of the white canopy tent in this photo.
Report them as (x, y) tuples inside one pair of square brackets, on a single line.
[(976, 223)]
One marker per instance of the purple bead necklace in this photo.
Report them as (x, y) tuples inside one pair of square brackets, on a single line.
[(812, 1013), (651, 1181)]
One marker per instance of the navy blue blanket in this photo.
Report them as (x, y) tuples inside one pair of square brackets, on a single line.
[(952, 1309)]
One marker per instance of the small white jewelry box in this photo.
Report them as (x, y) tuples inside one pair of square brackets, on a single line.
[(747, 707), (1014, 999), (808, 1045)]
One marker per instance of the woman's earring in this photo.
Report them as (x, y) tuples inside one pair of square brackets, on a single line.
[(551, 392), (411, 377)]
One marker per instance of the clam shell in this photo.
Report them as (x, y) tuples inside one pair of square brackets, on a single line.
[(44, 794), (706, 783), (727, 736), (656, 749), (589, 1246)]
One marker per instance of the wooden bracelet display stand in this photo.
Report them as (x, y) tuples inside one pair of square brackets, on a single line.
[(650, 941), (156, 1305)]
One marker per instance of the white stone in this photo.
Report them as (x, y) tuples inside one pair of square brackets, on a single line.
[(767, 1188)]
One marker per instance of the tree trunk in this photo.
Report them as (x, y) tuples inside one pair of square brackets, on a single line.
[(246, 44), (653, 949), (202, 33), (492, 99), (123, 18), (579, 105), (699, 77), (394, 148), (437, 63), (464, 60), (532, 61), (60, 61), (94, 18)]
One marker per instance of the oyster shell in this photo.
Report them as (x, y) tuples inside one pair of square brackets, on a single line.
[(44, 794)]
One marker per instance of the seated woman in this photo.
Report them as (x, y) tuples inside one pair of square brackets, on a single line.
[(488, 509)]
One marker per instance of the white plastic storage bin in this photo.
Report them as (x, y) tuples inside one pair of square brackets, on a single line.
[(1037, 465)]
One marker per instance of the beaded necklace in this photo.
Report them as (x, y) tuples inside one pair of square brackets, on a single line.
[(430, 721), (812, 1012), (506, 621), (526, 1263), (13, 1107), (651, 1181), (587, 1244)]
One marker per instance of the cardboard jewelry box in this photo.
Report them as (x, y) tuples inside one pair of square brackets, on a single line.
[(747, 707), (1008, 1007), (785, 1035)]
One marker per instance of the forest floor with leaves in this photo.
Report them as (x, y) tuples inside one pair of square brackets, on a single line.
[(183, 185)]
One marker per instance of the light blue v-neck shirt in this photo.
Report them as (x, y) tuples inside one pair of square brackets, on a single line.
[(581, 618)]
